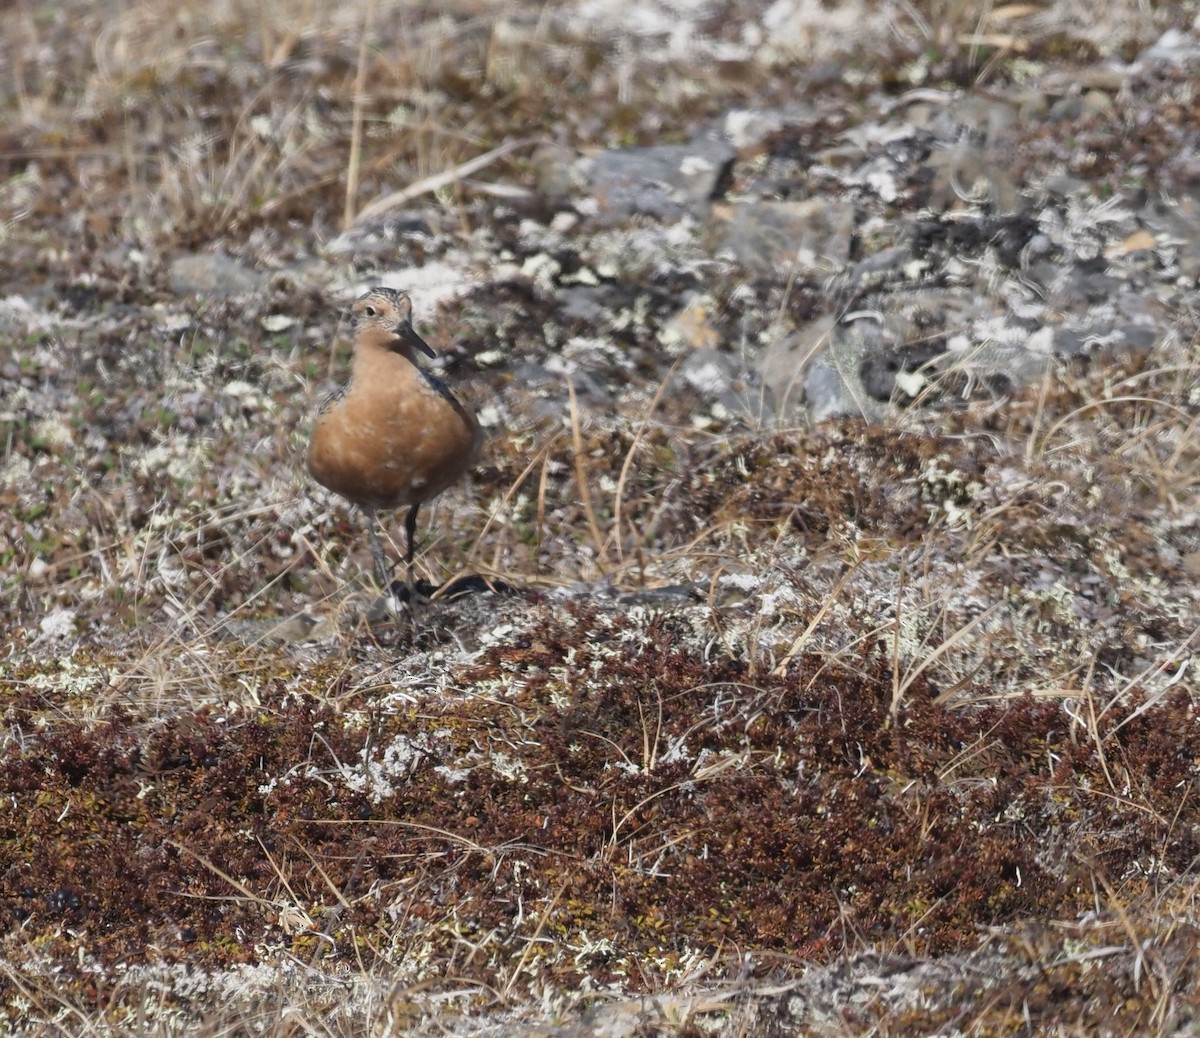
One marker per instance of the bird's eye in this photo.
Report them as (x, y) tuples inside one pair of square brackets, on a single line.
[(370, 311)]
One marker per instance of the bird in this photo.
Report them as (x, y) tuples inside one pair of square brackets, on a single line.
[(393, 435)]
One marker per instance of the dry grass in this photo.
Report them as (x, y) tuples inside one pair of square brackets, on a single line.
[(860, 729)]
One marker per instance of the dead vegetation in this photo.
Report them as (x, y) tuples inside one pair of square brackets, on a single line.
[(858, 728)]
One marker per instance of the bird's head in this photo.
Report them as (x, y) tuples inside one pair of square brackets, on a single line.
[(384, 316)]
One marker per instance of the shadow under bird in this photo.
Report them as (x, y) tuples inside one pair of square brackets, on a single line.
[(393, 436)]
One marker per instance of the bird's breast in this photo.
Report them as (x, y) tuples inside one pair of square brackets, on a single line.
[(387, 445)]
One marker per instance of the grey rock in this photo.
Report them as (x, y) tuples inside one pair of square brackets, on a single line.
[(1179, 221), (709, 372), (1077, 106), (748, 129), (887, 260), (784, 363), (833, 390), (383, 235), (1172, 47), (1085, 283), (584, 303), (213, 274), (986, 118), (19, 317), (774, 237), (665, 182), (879, 369), (963, 168), (1082, 337), (555, 172)]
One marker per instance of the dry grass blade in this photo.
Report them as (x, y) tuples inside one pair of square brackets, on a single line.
[(581, 477), (956, 639), (1113, 401), (1147, 674), (540, 458), (356, 124), (444, 179), (519, 968), (235, 884), (615, 540), (608, 807), (801, 640)]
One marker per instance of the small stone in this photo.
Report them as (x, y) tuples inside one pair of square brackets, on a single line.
[(692, 327), (1173, 47), (749, 128), (707, 371), (770, 237), (542, 269), (212, 274), (554, 171), (666, 182), (1137, 241)]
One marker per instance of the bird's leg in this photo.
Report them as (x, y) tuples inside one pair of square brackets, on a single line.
[(381, 566), (410, 528)]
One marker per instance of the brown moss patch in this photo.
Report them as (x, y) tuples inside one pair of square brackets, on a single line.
[(604, 786)]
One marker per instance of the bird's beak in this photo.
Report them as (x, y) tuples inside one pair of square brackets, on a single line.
[(416, 340)]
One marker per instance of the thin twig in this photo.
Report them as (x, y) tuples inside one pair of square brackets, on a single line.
[(440, 180)]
